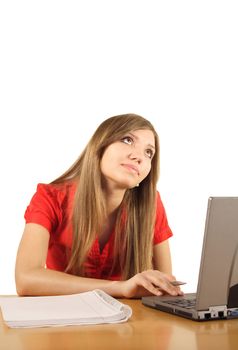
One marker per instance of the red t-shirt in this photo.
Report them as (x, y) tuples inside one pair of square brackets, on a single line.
[(51, 207)]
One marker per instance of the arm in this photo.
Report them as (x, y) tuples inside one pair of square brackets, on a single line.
[(162, 257), (32, 278)]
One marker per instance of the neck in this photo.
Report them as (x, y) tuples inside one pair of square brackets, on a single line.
[(113, 200)]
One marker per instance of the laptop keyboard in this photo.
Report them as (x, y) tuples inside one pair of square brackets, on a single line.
[(186, 303)]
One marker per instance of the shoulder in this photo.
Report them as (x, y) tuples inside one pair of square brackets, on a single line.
[(58, 192), (160, 209), (162, 229), (159, 203), (50, 204), (52, 188)]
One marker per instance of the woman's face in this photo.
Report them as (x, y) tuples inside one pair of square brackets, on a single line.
[(125, 163)]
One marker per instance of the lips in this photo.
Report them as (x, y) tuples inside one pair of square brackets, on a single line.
[(132, 168)]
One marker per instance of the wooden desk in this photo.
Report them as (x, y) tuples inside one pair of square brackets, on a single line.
[(147, 329)]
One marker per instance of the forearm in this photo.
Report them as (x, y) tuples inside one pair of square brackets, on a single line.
[(42, 281)]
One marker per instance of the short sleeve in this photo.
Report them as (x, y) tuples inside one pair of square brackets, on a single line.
[(43, 208), (162, 229)]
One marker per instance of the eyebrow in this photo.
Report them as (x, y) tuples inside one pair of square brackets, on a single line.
[(136, 137)]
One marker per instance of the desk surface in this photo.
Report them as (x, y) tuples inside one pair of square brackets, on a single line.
[(147, 329)]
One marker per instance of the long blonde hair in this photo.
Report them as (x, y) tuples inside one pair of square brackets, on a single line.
[(89, 210)]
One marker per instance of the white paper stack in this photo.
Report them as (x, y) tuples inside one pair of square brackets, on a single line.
[(92, 307)]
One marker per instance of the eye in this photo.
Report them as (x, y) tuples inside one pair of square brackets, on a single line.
[(149, 153), (127, 139)]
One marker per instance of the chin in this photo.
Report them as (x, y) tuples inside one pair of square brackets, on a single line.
[(130, 186), (121, 184)]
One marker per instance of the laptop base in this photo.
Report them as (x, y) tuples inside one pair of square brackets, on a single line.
[(169, 305)]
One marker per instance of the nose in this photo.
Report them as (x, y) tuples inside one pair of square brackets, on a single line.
[(136, 155)]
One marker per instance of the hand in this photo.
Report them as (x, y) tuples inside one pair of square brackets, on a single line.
[(150, 282)]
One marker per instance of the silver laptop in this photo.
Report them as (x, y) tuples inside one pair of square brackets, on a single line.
[(217, 289)]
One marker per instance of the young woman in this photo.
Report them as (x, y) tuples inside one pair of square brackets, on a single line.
[(102, 223)]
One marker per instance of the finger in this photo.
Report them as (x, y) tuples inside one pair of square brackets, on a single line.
[(146, 283), (156, 280), (166, 287)]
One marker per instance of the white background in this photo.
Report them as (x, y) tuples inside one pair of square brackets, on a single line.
[(67, 65)]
